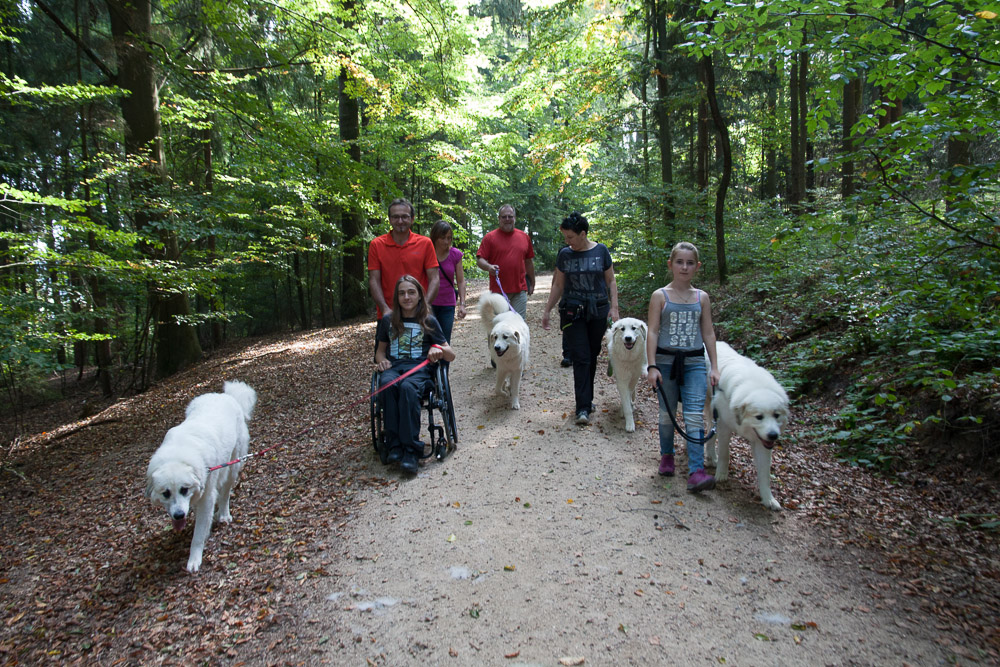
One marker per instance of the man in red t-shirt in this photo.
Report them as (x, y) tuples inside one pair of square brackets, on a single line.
[(398, 253), (508, 250)]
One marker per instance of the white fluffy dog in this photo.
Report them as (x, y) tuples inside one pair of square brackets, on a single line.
[(509, 341), (626, 341), (751, 404), (214, 431)]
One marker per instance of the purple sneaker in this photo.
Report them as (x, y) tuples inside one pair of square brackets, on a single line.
[(700, 480), (667, 465)]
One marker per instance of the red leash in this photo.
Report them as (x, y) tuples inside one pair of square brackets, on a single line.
[(324, 421)]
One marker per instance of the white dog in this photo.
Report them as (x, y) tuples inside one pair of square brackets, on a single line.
[(626, 340), (509, 341), (214, 431), (751, 404)]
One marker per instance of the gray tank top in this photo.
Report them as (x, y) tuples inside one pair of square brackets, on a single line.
[(680, 325)]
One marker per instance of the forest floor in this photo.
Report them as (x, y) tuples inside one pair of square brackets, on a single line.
[(537, 542)]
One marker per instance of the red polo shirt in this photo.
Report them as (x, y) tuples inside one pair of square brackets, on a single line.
[(413, 257), (508, 250)]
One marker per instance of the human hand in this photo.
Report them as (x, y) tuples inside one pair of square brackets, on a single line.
[(494, 269), (714, 376), (545, 321), (653, 376), (460, 311), (434, 354), (383, 365), (613, 314)]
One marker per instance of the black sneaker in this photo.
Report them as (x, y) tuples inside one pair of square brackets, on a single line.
[(566, 363), (582, 418), (409, 463), (395, 455)]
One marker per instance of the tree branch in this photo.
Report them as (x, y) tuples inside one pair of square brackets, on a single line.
[(94, 58), (887, 184)]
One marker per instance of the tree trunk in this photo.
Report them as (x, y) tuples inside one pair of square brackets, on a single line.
[(796, 168), (805, 146), (769, 185), (852, 101), (354, 277), (131, 26), (662, 112), (708, 77)]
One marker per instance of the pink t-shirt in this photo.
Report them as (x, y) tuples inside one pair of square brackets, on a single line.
[(508, 250), (446, 290)]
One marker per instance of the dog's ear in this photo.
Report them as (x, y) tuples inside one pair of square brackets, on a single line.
[(149, 487), (517, 337), (643, 328), (739, 412)]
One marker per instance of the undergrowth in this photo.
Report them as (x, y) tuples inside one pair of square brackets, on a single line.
[(890, 316)]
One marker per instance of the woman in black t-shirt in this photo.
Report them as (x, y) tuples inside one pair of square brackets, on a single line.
[(405, 337), (584, 285)]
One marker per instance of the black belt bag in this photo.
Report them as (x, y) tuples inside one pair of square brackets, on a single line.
[(572, 309), (677, 367)]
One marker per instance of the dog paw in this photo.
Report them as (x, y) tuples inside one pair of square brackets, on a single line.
[(515, 405), (630, 427), (771, 503), (224, 518), (194, 562), (721, 476)]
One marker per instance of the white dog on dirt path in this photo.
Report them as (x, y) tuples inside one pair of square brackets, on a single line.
[(509, 343), (214, 431), (626, 341), (751, 404)]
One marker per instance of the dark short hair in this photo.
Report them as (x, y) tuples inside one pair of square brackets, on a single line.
[(401, 201), (440, 229), (575, 223), (510, 206)]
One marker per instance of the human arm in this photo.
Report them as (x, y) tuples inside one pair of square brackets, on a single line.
[(460, 284), (612, 284), (440, 351), (433, 283), (382, 362), (486, 266), (375, 287), (653, 335), (529, 274), (708, 335), (558, 283)]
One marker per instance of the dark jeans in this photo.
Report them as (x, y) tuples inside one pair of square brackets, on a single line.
[(401, 407), (446, 318), (582, 340)]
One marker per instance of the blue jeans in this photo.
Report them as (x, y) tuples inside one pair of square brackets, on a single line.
[(446, 318), (692, 398), (401, 407)]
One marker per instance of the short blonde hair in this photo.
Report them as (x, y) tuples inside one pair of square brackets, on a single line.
[(684, 245)]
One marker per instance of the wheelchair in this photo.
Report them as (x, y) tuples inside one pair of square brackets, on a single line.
[(443, 435)]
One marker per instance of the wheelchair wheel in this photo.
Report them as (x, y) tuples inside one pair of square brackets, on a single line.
[(376, 415), (447, 409)]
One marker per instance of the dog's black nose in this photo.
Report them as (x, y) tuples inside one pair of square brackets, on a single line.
[(773, 436), (178, 515)]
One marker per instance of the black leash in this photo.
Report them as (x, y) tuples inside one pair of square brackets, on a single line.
[(697, 441)]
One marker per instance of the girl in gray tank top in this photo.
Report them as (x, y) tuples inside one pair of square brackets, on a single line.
[(680, 332)]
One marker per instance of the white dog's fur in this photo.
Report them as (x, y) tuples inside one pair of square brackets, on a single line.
[(214, 431), (751, 404), (626, 341), (509, 342)]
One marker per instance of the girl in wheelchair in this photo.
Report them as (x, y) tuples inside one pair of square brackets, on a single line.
[(405, 337)]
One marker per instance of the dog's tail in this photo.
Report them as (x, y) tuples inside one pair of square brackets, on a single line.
[(244, 395), (491, 305)]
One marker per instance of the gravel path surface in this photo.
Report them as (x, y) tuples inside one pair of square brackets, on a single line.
[(540, 542)]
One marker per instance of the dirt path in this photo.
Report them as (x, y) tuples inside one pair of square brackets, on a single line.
[(541, 542)]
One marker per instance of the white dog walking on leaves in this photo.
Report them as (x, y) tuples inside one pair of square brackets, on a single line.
[(509, 342), (751, 404), (626, 341), (214, 432)]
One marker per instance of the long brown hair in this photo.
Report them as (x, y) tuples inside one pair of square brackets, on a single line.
[(423, 312)]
